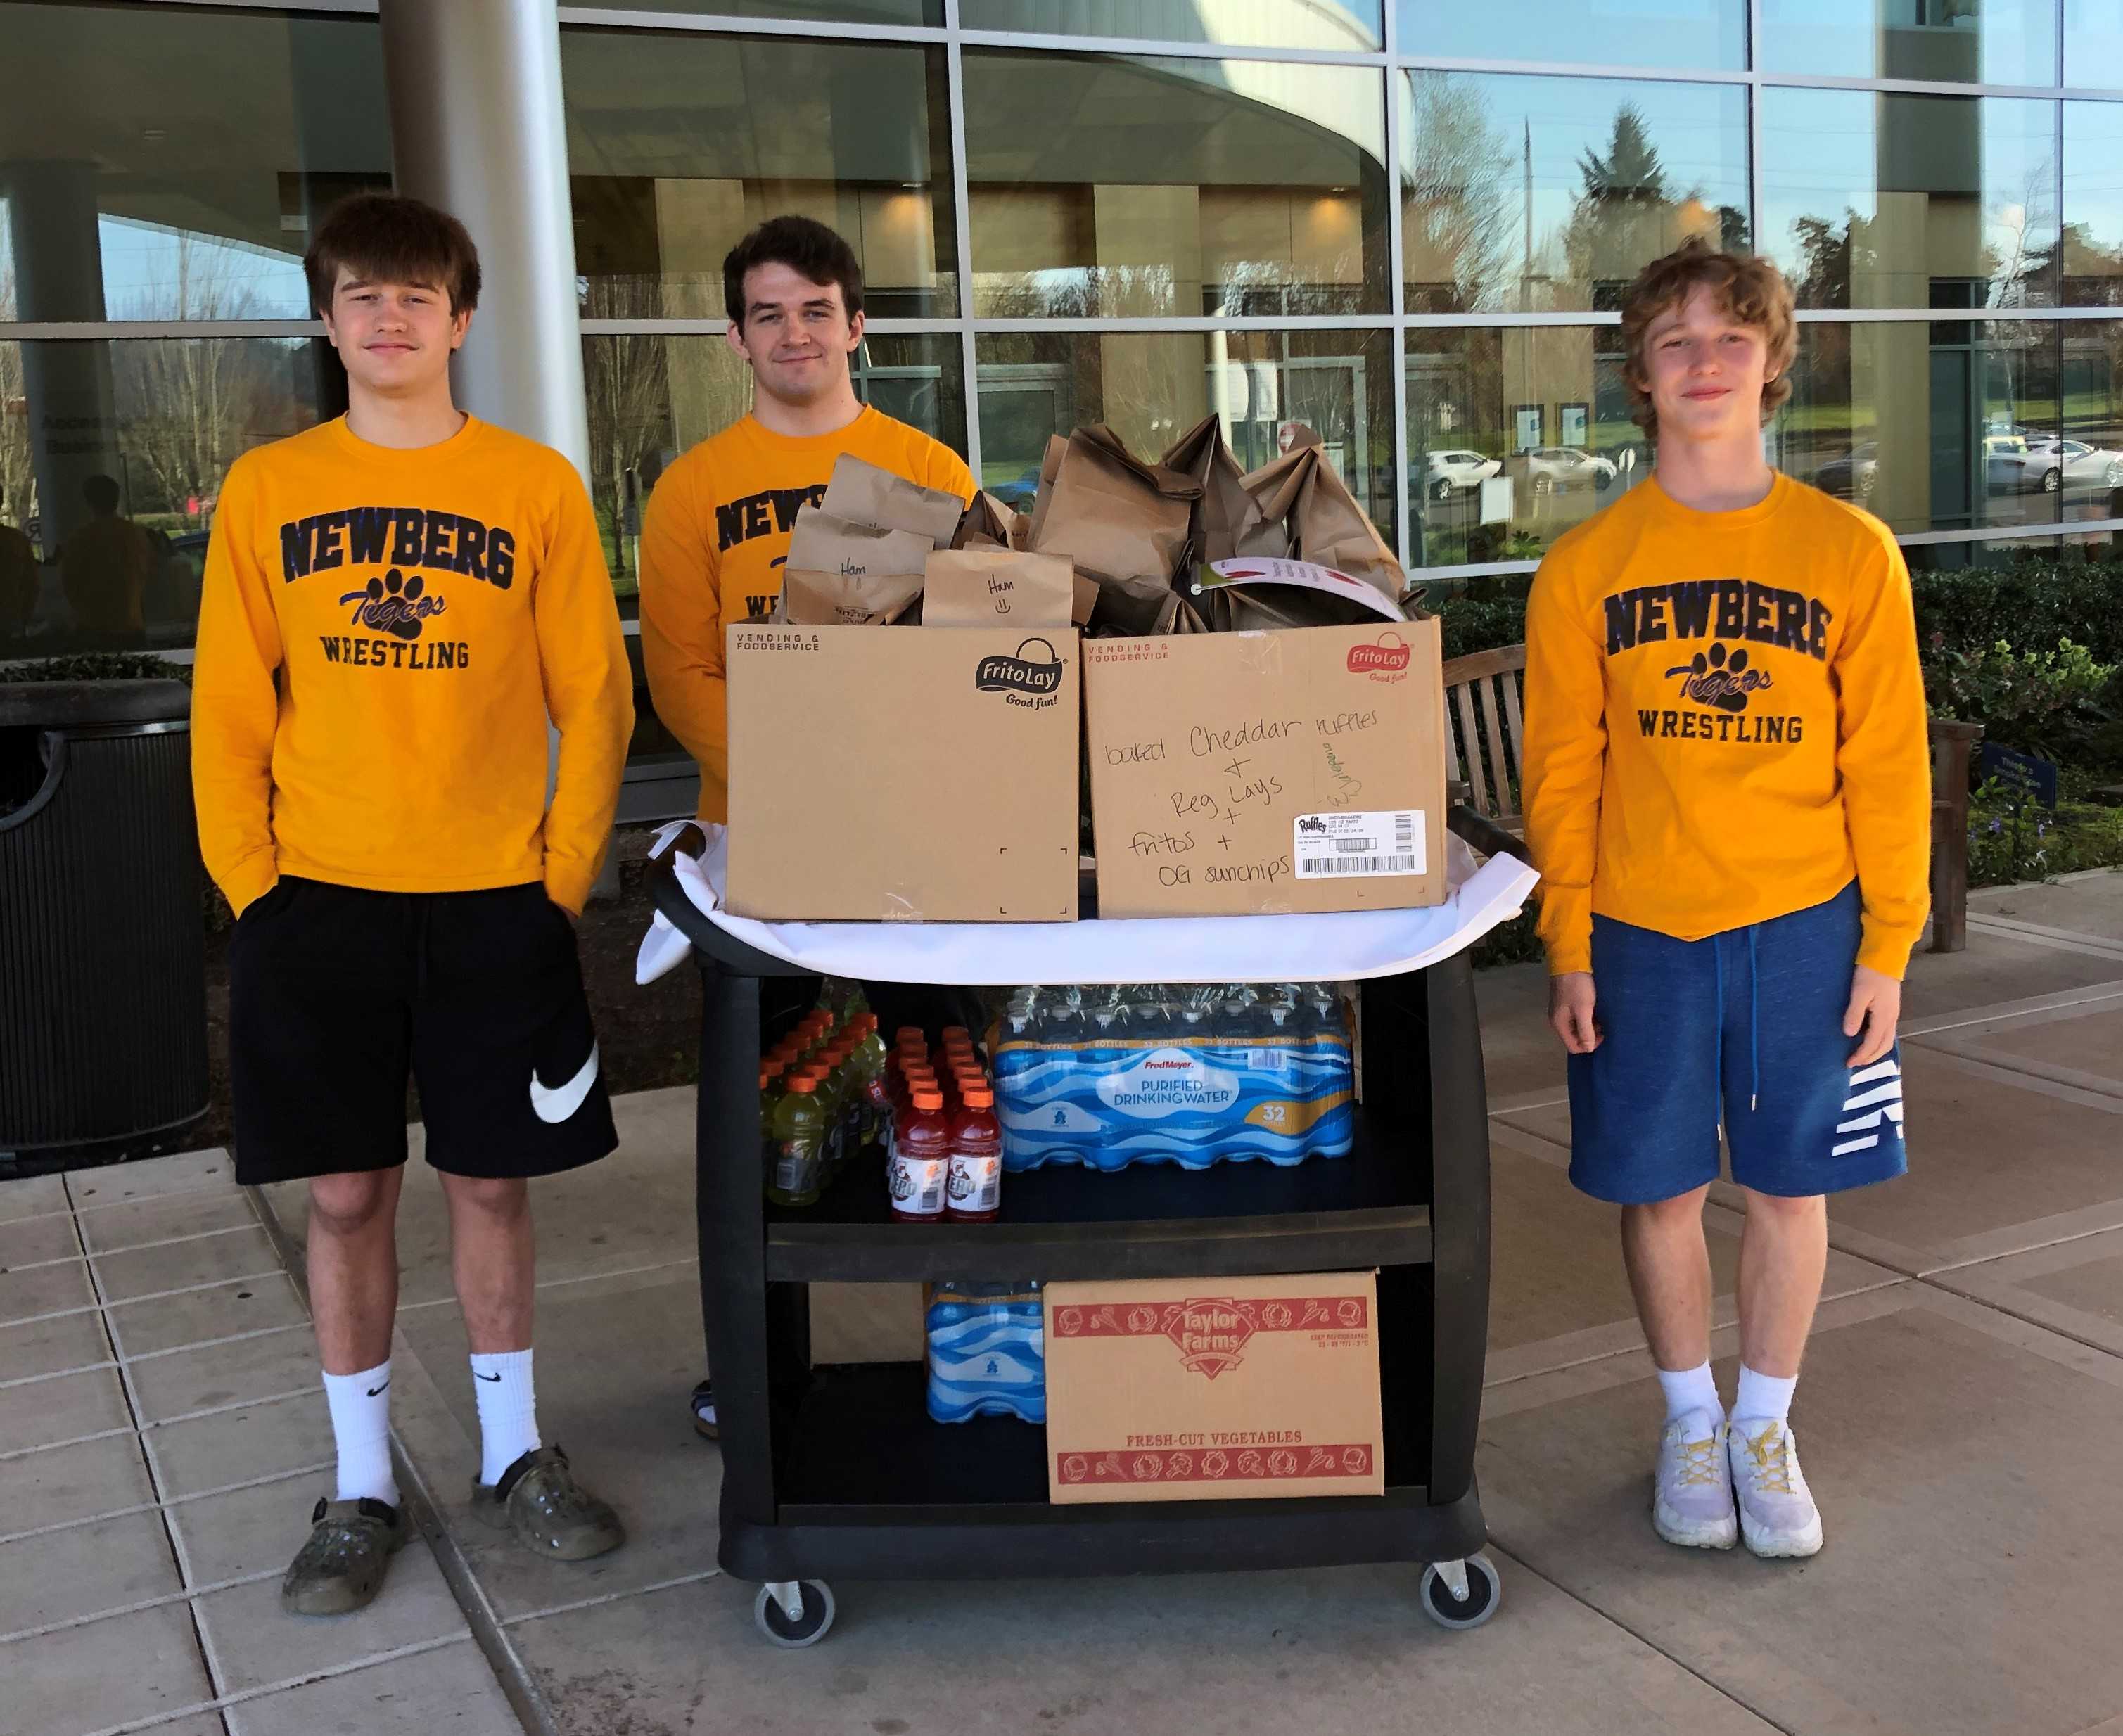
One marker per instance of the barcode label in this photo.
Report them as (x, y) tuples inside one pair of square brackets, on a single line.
[(1392, 841), (1410, 864)]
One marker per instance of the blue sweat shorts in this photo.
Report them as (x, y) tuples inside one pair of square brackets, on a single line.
[(1742, 1030)]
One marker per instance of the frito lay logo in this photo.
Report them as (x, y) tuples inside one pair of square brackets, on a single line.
[(1211, 1332), (1388, 656), (1037, 668)]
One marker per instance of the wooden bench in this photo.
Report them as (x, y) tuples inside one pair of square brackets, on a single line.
[(1485, 734)]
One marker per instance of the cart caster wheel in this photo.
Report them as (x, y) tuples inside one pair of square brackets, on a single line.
[(814, 1616), (1470, 1602)]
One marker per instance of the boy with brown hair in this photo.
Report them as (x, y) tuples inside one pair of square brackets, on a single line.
[(395, 603), (716, 535), (1726, 792)]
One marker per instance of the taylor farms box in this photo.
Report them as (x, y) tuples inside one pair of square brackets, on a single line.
[(1213, 1388), (1234, 773), (882, 774)]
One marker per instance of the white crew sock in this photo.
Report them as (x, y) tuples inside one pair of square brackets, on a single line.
[(361, 1430), (508, 1411), (1764, 1397), (1691, 1389)]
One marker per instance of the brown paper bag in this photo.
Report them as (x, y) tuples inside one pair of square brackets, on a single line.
[(994, 588), (1123, 521), (989, 523), (1226, 515), (862, 493), (1308, 513), (1050, 466), (822, 542), (846, 600)]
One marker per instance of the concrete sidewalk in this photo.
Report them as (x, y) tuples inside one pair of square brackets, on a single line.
[(162, 1435)]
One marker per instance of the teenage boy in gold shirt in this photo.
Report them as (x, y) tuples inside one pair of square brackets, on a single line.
[(395, 603), (1728, 795), (716, 534)]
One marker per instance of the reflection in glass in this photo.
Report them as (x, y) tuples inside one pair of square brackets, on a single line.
[(1953, 425), (1526, 194), (1896, 201), (2093, 43), (1105, 185), (677, 144), (130, 188), (651, 396), (828, 12), (112, 470), (2093, 204), (1151, 387), (1940, 41), (1513, 437), (1710, 34), (1340, 26)]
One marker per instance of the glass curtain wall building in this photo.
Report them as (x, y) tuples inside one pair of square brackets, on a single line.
[(1405, 224)]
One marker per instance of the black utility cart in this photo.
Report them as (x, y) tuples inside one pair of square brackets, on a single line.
[(836, 1472)]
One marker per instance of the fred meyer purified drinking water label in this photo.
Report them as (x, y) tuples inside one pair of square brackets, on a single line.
[(1193, 1102), (1381, 841)]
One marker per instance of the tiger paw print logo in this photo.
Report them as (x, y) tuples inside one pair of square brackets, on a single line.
[(394, 604), (1711, 677)]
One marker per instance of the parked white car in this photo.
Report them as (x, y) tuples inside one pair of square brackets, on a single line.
[(1457, 472), (1551, 469), (2051, 464)]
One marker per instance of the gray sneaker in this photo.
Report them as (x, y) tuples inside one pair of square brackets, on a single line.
[(1692, 1487), (549, 1512), (340, 1569)]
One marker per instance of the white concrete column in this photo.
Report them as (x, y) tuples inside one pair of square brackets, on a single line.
[(476, 128), (59, 275)]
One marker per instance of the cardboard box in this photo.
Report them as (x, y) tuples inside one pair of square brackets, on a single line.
[(1236, 774), (1214, 1389), (883, 775)]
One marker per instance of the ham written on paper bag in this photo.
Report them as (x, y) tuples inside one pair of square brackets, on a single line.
[(996, 587)]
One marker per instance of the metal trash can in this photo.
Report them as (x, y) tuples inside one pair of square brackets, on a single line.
[(102, 948)]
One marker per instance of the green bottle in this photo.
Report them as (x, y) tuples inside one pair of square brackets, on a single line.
[(797, 1172)]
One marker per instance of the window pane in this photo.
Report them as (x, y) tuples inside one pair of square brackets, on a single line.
[(1892, 201), (678, 144), (1513, 437), (1150, 387), (1351, 25), (1119, 185), (2092, 42), (1711, 34), (140, 184), (1524, 195), (830, 11), (2092, 203), (161, 420), (1942, 41), (651, 397), (1942, 426)]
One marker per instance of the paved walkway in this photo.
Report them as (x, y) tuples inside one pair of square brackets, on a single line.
[(161, 1435)]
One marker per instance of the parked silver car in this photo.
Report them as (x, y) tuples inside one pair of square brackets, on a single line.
[(1552, 468), (1459, 472), (2052, 464)]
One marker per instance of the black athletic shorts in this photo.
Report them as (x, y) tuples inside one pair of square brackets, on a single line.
[(336, 995)]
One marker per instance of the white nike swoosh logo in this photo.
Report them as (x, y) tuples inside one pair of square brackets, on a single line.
[(554, 1105)]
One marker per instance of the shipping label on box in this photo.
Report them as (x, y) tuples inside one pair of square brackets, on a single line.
[(1236, 774), (1214, 1389), (882, 773)]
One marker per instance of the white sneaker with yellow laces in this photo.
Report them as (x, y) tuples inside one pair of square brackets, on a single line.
[(1777, 1513), (1692, 1488)]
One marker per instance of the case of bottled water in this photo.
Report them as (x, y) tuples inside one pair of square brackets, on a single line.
[(988, 1352), (1190, 1074)]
